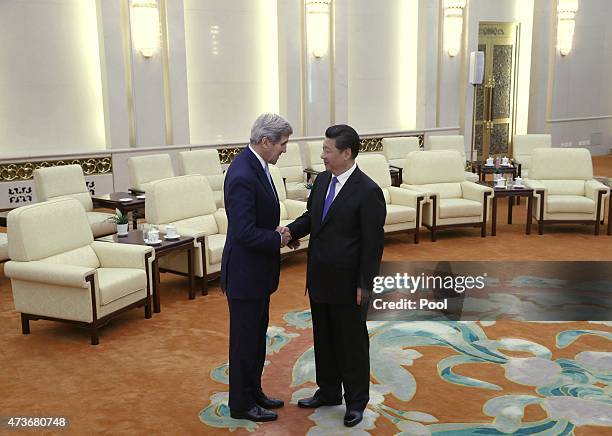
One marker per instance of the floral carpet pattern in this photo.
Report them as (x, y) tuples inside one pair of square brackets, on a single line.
[(571, 392)]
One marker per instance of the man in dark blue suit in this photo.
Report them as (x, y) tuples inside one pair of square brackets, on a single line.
[(345, 217), (250, 265)]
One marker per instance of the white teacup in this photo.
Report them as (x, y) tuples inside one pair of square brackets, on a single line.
[(153, 235), (505, 161), (489, 161), (518, 180), (170, 232), (501, 183)]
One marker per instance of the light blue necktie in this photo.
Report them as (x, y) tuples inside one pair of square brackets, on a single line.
[(330, 197)]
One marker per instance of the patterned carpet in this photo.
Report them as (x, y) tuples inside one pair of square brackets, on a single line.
[(520, 386)]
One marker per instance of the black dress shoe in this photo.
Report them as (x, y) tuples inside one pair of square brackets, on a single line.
[(353, 417), (314, 402), (256, 413), (264, 401)]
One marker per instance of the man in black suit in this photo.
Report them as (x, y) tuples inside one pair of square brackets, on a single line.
[(345, 217), (250, 264)]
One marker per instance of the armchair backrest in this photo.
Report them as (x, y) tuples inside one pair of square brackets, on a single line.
[(144, 169), (313, 154), (205, 163), (561, 164), (447, 142), (177, 198), (277, 179), (46, 229), (396, 149), (290, 164), (375, 167), (523, 146), (62, 181), (434, 167)]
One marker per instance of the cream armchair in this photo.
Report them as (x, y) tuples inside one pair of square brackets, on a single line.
[(68, 181), (290, 209), (451, 142), (564, 188), (404, 206), (205, 163), (142, 170), (187, 203), (453, 201), (314, 164), (396, 149), (58, 272), (292, 171), (523, 146)]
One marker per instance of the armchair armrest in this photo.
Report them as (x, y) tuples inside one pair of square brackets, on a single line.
[(50, 273), (426, 192), (405, 197), (474, 191), (592, 187), (536, 185), (221, 219), (295, 208), (311, 172), (121, 255)]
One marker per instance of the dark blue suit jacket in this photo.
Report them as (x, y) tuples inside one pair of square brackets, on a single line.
[(251, 257)]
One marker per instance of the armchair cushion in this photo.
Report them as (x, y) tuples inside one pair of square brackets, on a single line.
[(115, 283), (564, 187), (459, 207), (569, 204), (399, 214)]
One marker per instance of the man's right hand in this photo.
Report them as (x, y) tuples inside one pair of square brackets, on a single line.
[(285, 235)]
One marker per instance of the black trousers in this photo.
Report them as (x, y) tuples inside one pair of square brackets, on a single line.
[(247, 350), (342, 353)]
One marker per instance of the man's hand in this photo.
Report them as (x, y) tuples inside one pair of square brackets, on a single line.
[(358, 296), (294, 244), (285, 235)]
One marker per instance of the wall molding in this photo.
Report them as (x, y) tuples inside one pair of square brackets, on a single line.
[(571, 120)]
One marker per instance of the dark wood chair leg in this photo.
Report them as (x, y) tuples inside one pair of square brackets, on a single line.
[(95, 339), (25, 324), (147, 308)]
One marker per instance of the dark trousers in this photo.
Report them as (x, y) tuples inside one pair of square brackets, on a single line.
[(247, 350), (342, 353)]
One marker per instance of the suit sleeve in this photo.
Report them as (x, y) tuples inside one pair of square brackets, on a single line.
[(241, 212), (373, 214), (301, 226)]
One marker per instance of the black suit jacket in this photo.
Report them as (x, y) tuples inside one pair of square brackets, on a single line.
[(344, 250), (250, 265)]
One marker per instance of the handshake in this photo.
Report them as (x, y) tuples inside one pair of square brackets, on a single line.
[(286, 239)]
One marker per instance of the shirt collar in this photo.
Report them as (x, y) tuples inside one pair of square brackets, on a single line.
[(263, 163), (342, 178)]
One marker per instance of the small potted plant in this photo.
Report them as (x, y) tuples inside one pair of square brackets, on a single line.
[(121, 219)]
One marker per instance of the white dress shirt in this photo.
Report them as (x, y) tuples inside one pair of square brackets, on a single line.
[(342, 178)]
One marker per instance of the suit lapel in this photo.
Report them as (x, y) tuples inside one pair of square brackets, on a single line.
[(261, 175), (352, 184)]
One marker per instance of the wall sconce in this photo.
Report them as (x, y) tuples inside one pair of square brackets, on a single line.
[(453, 25), (317, 26), (566, 22), (144, 20)]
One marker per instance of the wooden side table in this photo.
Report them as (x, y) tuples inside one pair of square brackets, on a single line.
[(515, 192), (112, 201), (165, 247)]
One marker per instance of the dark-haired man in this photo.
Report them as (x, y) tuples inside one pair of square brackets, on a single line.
[(345, 217)]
